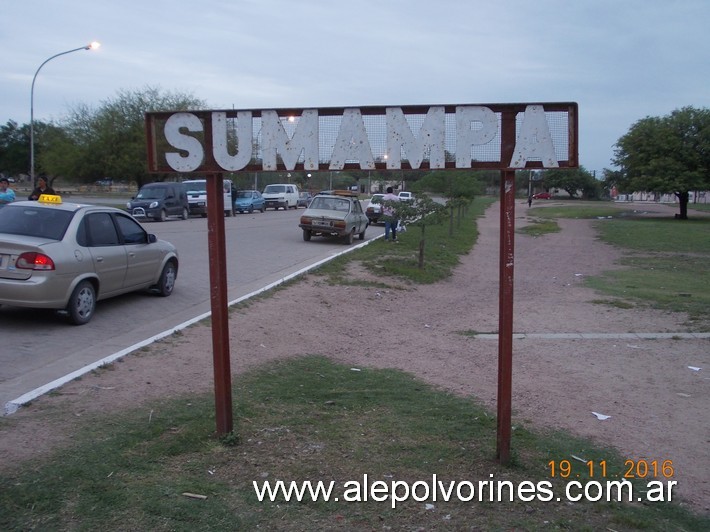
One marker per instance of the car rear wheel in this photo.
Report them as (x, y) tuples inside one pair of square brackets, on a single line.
[(307, 235), (185, 213), (361, 236), (82, 303), (167, 279), (350, 237)]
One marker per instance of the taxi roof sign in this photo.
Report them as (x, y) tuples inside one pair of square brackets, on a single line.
[(50, 198)]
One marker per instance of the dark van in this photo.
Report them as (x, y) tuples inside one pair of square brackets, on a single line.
[(157, 201)]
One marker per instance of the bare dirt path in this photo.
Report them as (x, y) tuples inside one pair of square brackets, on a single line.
[(659, 408)]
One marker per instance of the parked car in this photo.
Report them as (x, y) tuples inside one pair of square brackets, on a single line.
[(406, 196), (542, 195), (281, 196), (249, 201), (304, 198), (197, 196), (373, 211), (157, 201), (68, 256), (334, 215)]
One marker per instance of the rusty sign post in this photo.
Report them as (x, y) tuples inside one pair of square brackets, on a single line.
[(216, 243), (469, 137)]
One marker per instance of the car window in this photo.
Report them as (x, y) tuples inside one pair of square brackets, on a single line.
[(357, 207), (131, 230), (151, 193), (342, 205), (100, 230), (274, 189), (34, 221), (197, 186)]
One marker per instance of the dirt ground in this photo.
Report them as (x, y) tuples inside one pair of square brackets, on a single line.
[(659, 407)]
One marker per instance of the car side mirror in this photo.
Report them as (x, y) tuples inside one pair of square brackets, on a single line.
[(152, 239)]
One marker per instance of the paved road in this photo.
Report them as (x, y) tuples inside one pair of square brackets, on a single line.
[(39, 346)]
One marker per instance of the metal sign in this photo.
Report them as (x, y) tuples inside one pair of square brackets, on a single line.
[(490, 136), (499, 136)]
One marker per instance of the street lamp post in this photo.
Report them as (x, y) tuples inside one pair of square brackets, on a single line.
[(92, 46)]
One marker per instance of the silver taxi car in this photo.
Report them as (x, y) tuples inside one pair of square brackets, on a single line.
[(67, 256), (334, 215)]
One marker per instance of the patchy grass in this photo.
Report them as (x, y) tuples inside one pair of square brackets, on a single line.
[(311, 419), (539, 227), (665, 264)]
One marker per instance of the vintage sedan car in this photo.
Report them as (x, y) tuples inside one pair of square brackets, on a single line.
[(68, 256), (542, 195), (373, 211), (249, 201), (337, 215)]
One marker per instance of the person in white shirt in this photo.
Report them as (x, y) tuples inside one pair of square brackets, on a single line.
[(389, 214)]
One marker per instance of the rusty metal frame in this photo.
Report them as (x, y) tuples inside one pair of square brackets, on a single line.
[(216, 237)]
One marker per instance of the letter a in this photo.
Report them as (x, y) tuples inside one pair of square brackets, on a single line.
[(534, 140)]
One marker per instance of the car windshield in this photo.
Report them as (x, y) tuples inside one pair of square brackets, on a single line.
[(151, 193), (377, 199), (244, 194), (34, 221), (274, 189), (326, 203), (197, 186)]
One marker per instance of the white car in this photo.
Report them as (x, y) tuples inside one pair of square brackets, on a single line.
[(405, 196), (374, 208)]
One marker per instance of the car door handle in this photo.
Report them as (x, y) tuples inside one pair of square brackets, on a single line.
[(131, 254), (99, 259)]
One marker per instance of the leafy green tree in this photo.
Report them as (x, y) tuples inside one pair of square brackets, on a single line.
[(14, 149), (110, 141), (572, 180), (669, 154)]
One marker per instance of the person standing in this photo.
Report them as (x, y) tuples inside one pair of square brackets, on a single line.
[(389, 214), (7, 195), (42, 188)]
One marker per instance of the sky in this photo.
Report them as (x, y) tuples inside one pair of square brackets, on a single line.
[(620, 60)]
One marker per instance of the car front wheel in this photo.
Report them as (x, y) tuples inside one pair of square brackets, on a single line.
[(306, 235), (82, 303), (163, 215), (167, 280)]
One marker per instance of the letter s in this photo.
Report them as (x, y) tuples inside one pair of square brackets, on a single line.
[(186, 143)]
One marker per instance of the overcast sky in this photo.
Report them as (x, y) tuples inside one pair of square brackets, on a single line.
[(620, 60)]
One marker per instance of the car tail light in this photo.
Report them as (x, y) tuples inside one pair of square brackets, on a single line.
[(340, 224), (34, 261)]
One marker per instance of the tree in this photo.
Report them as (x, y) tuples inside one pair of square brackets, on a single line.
[(421, 212), (572, 181), (14, 148), (109, 141), (669, 154)]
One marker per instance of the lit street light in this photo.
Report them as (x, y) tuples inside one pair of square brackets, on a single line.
[(92, 46)]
